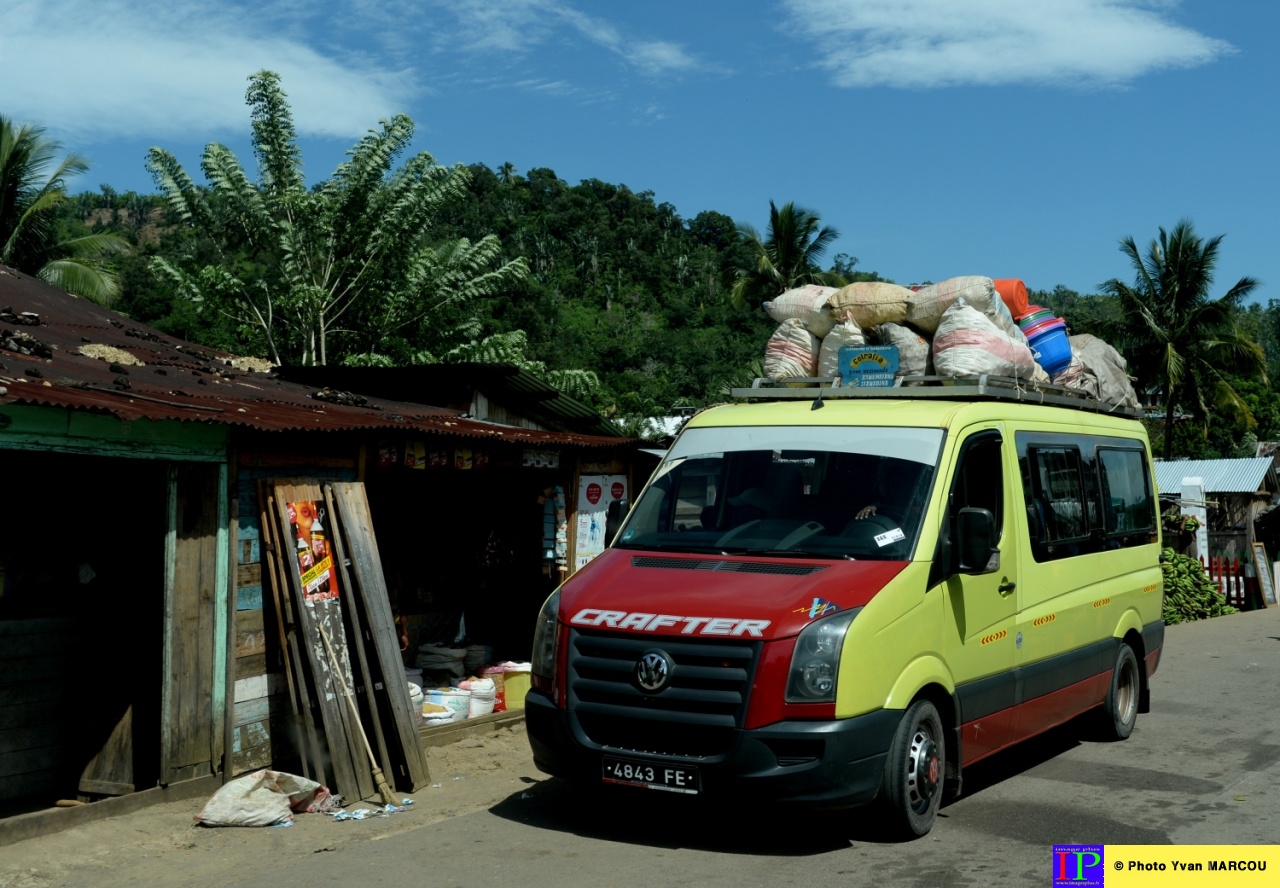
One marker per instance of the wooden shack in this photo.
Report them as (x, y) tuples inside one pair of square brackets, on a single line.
[(138, 644)]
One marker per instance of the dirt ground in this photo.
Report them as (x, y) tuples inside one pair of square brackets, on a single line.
[(163, 844)]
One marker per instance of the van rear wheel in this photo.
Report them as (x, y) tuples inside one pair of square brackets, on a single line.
[(1121, 709), (913, 772)]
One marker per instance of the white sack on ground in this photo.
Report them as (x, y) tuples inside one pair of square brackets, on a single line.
[(791, 351), (844, 333), (913, 349), (872, 303), (264, 798), (968, 343), (808, 303), (930, 303), (1108, 368)]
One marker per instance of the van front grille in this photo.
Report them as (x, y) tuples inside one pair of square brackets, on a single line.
[(696, 715)]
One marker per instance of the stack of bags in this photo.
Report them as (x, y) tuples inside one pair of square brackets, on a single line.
[(962, 326)]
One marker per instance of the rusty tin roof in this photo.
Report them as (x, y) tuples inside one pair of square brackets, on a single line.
[(58, 350)]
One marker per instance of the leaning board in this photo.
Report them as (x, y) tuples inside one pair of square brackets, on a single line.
[(317, 601), (388, 698)]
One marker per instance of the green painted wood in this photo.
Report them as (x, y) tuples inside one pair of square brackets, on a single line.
[(249, 598), (70, 431)]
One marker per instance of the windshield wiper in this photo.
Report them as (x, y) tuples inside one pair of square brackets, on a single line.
[(792, 553)]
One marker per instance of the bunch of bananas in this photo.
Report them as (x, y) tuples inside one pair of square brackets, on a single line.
[(1189, 594)]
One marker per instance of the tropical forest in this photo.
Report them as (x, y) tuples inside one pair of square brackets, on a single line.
[(394, 259)]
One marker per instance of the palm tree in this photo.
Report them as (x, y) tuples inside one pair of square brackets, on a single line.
[(1174, 334), (786, 258), (32, 187)]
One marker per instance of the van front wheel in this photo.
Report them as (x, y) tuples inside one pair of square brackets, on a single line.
[(913, 773), (1121, 709)]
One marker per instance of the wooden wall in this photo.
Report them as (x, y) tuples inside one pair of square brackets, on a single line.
[(39, 688)]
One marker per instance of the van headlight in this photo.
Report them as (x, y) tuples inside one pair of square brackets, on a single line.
[(543, 661), (815, 663)]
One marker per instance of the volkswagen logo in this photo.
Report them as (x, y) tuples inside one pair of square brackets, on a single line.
[(652, 670)]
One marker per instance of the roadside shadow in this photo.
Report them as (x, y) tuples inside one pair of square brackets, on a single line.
[(1030, 754), (745, 826), (670, 821)]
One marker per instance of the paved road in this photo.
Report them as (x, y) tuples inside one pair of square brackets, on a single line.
[(1203, 767)]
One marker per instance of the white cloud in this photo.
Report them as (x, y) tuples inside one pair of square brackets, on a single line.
[(938, 43), (521, 25), (178, 68)]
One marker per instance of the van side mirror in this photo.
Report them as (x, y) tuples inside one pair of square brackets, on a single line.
[(614, 513), (976, 541)]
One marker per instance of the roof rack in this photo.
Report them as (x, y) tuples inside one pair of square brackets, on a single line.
[(984, 387)]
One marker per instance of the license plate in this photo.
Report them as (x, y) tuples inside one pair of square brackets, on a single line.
[(633, 772)]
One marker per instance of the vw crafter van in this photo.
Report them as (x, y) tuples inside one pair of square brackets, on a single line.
[(838, 596)]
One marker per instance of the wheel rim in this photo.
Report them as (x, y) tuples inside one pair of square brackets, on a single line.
[(1127, 691), (924, 769)]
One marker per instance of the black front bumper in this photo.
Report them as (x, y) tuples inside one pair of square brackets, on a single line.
[(835, 763)]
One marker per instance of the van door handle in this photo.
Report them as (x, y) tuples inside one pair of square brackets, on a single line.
[(1006, 587)]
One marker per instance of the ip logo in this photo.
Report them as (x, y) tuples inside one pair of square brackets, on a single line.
[(1078, 866)]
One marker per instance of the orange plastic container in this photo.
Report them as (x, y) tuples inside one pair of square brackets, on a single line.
[(1013, 293)]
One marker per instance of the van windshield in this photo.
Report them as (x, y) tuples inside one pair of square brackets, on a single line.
[(828, 492)]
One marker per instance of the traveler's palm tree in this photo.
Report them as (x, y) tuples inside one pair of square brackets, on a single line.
[(32, 187), (1179, 339), (786, 257)]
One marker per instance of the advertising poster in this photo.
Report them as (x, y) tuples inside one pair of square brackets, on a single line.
[(315, 552), (595, 492)]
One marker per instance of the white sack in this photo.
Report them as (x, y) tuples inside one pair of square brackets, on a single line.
[(846, 332), (968, 343), (791, 351), (809, 304), (913, 349), (930, 303), (264, 798), (1106, 366)]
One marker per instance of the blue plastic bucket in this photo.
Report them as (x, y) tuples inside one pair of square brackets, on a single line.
[(1051, 349)]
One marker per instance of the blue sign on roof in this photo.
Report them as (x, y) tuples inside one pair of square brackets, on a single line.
[(868, 366)]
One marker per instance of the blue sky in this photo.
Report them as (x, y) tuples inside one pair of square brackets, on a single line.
[(1008, 138)]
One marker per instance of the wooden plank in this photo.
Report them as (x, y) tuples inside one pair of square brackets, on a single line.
[(369, 594), (19, 742), (45, 713), (249, 575), (251, 635), (41, 668), (268, 685), (367, 682), (308, 741), (252, 710), (249, 598), (44, 782), (316, 606), (35, 760), (253, 759), (26, 692), (110, 771), (248, 551), (255, 664)]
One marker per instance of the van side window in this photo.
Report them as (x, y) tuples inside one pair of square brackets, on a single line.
[(979, 482), (1056, 501), (1129, 516)]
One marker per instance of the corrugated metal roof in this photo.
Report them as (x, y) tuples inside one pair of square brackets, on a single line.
[(507, 384), (156, 376), (1220, 475)]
